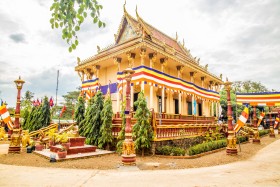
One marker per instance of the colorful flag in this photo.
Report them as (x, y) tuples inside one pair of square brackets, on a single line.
[(51, 102), (62, 110), (276, 122), (260, 119), (5, 115), (242, 120)]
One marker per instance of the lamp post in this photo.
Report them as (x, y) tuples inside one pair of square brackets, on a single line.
[(16, 133), (231, 139), (128, 151)]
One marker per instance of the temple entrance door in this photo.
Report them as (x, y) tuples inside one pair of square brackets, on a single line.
[(189, 108), (199, 109), (176, 103), (135, 97)]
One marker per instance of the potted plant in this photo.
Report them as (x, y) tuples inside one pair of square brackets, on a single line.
[(52, 136), (62, 152), (39, 146)]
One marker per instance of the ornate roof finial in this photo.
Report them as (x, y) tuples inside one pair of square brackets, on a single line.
[(183, 42), (124, 10), (176, 36), (136, 11)]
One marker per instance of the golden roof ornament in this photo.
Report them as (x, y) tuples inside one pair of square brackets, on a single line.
[(176, 36), (124, 10), (183, 42), (206, 67), (98, 49)]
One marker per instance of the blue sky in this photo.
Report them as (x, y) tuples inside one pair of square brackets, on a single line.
[(240, 39)]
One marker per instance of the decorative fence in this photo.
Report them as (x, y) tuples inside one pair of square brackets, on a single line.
[(174, 126)]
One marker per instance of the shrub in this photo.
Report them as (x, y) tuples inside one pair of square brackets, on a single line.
[(241, 139), (169, 150), (263, 132), (207, 146)]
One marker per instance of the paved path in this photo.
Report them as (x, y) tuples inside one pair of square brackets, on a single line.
[(261, 170)]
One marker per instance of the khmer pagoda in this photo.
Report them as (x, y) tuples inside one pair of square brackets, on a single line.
[(173, 81)]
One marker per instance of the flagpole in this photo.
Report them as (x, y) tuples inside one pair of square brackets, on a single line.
[(56, 98)]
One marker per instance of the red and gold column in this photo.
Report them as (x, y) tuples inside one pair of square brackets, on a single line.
[(271, 128), (255, 128), (128, 150), (14, 146), (231, 139)]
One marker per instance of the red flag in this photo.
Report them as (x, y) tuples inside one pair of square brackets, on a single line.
[(62, 111), (51, 102)]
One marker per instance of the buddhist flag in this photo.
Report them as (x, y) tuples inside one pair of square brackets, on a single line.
[(51, 102), (276, 122), (242, 120), (62, 110), (260, 119), (5, 115)]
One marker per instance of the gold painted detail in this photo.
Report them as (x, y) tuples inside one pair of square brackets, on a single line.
[(128, 147)]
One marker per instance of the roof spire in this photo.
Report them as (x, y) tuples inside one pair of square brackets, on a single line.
[(124, 10), (176, 36), (183, 42)]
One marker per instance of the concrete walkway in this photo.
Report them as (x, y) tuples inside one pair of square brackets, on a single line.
[(261, 170)]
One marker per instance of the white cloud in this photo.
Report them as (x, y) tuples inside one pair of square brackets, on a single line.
[(240, 39)]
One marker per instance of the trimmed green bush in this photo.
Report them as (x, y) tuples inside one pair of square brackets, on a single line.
[(169, 150), (263, 132), (241, 139), (207, 146)]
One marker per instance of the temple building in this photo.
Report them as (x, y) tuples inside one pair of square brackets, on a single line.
[(173, 81)]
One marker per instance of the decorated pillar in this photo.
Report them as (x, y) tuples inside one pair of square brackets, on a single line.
[(231, 139), (128, 150), (193, 106), (256, 132), (163, 62), (130, 57), (151, 96), (202, 81), (180, 102), (97, 70), (142, 56), (179, 71), (192, 74), (163, 99), (14, 146), (211, 85), (152, 57), (131, 95), (271, 128)]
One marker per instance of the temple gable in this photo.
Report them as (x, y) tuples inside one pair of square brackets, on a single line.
[(127, 33)]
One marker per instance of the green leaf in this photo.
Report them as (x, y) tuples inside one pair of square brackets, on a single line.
[(52, 20), (77, 28), (95, 20), (99, 23), (76, 42), (104, 25), (73, 46), (56, 25), (85, 14), (61, 24)]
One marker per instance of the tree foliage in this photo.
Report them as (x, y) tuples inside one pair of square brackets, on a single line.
[(26, 107), (121, 135), (142, 130), (45, 116), (92, 122), (80, 111), (69, 16), (71, 99), (106, 136)]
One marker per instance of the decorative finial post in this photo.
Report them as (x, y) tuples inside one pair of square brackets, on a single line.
[(128, 150), (16, 133), (256, 139), (271, 128), (231, 139)]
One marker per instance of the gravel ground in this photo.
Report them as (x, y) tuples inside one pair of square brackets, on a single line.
[(113, 161)]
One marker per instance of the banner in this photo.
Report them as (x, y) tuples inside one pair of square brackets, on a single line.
[(5, 115), (242, 120)]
